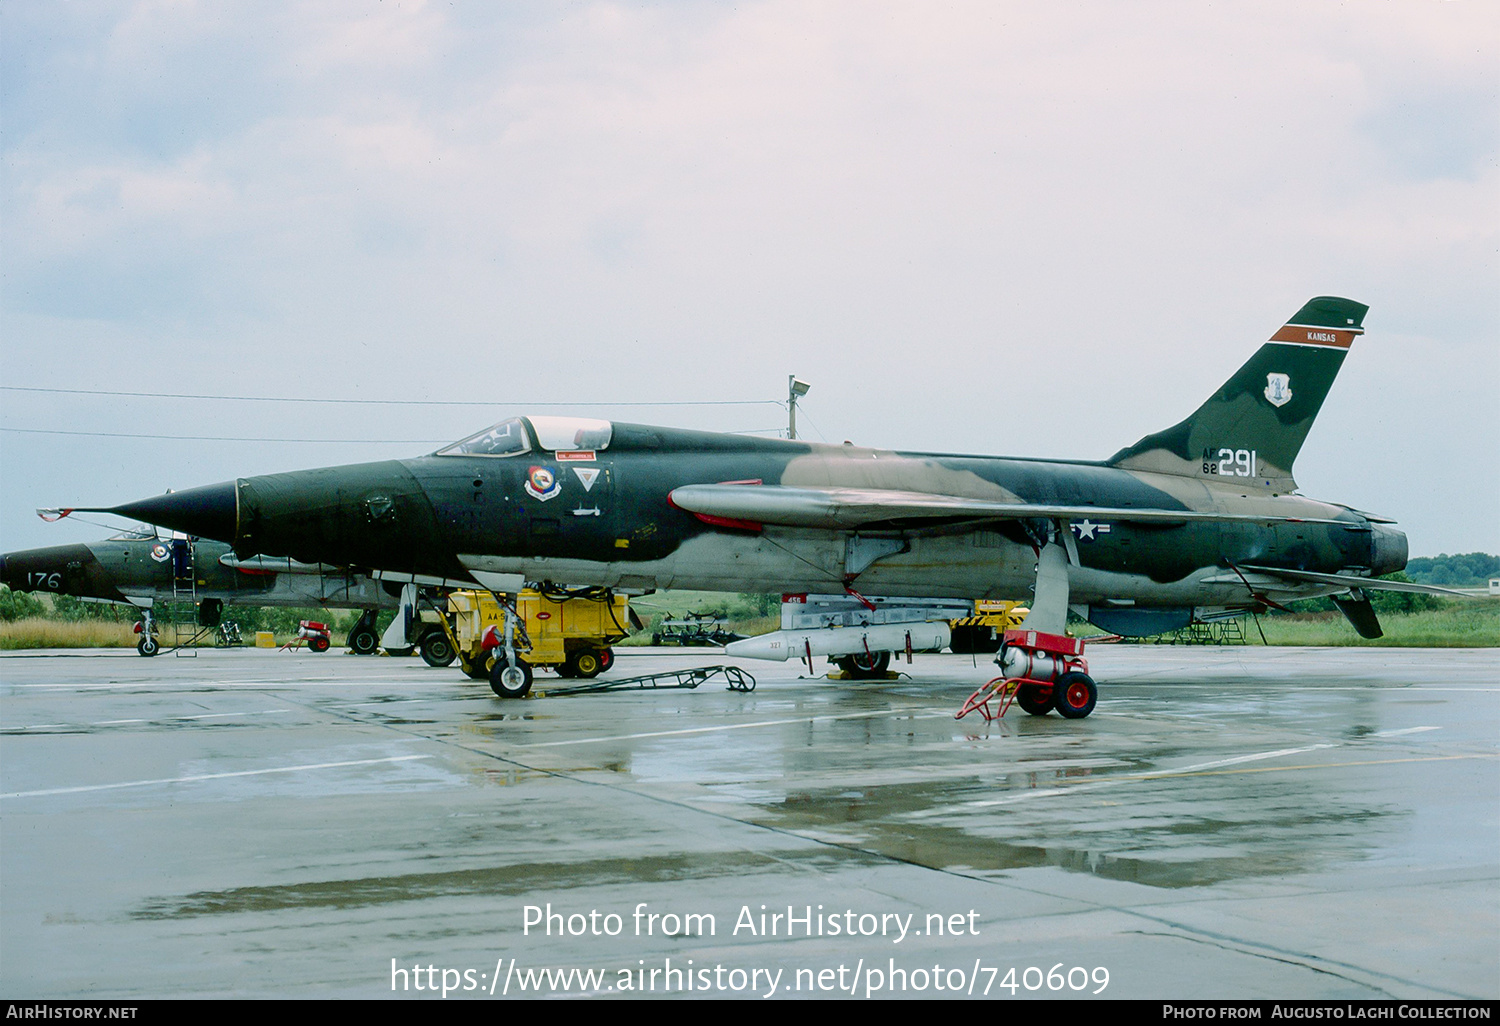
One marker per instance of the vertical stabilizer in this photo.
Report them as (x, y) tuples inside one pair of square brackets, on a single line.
[(1252, 428)]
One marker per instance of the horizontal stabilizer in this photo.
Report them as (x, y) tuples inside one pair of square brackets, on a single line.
[(1360, 614), (1350, 581), (850, 508)]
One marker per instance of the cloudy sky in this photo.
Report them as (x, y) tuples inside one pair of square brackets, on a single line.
[(1019, 228)]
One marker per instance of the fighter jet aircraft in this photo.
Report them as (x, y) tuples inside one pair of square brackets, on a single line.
[(1196, 520), (140, 568)]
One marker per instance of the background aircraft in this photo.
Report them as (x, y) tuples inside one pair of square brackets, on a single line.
[(141, 569), (1198, 519)]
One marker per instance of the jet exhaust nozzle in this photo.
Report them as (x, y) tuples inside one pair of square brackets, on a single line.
[(1389, 552)]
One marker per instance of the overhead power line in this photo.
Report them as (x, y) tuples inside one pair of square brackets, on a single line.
[(384, 402), (298, 441), (231, 438)]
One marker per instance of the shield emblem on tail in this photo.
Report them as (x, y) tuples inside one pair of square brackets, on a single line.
[(1278, 389)]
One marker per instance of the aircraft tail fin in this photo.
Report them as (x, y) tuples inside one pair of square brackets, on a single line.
[(1252, 428)]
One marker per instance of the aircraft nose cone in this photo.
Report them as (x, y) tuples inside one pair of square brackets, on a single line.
[(211, 511)]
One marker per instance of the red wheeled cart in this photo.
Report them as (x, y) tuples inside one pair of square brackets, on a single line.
[(1039, 672), (313, 634)]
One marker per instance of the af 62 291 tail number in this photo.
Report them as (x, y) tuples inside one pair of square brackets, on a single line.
[(1230, 462)]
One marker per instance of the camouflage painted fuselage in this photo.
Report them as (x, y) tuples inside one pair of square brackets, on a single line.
[(446, 515)]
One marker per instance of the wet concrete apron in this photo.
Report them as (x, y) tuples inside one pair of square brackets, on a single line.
[(1236, 822)]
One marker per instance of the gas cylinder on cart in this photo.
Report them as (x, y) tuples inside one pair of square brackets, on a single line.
[(1033, 655), (316, 635), (1017, 661)]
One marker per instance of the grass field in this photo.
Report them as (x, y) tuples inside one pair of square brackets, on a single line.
[(1473, 624), (36, 632), (1460, 624)]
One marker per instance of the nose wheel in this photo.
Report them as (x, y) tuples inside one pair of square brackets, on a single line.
[(509, 681)]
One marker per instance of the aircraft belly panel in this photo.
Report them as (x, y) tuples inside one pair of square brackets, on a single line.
[(1088, 585), (942, 567), (713, 561)]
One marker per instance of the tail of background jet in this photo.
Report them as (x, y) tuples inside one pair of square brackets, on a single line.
[(1251, 429)]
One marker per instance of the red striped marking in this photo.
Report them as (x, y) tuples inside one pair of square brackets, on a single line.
[(742, 525), (1306, 335)]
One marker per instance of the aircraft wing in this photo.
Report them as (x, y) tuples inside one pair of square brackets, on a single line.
[(848, 508), (1350, 581)]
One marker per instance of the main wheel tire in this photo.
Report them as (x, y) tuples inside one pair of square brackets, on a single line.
[(1074, 695), (866, 667), (319, 643), (510, 681), (606, 659), (364, 642), (1035, 700), (148, 645), (399, 651), (437, 650)]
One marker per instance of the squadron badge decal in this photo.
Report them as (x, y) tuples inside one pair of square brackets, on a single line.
[(159, 553), (542, 484), (1278, 389)]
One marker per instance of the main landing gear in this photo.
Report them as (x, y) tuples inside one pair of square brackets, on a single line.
[(866, 666), (363, 639)]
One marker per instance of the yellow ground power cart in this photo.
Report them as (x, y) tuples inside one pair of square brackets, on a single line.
[(982, 631), (571, 635)]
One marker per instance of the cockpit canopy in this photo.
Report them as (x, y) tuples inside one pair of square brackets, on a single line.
[(519, 434), (507, 438)]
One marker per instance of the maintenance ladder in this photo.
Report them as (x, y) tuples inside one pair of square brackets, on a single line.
[(1215, 632), (184, 589)]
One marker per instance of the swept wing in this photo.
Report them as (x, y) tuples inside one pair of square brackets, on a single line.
[(850, 508)]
